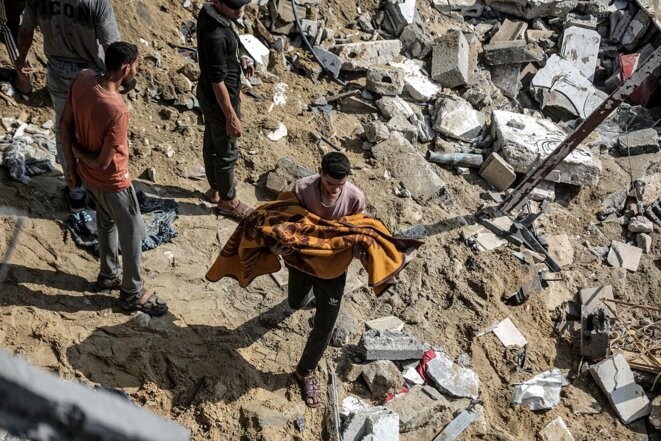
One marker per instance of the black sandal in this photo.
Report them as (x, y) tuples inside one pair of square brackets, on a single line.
[(153, 306)]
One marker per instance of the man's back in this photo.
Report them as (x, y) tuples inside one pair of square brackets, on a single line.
[(74, 30)]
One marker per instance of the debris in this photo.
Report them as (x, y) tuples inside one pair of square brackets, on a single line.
[(544, 191), (540, 392), (614, 377), (255, 48), (580, 46), (507, 333), (457, 159), (346, 330), (379, 422), (387, 345), (506, 78), (625, 256), (644, 242), (596, 321), (401, 124), (640, 224), (655, 413), (524, 141), (353, 104), (385, 80), (400, 13), (389, 323), (639, 142), (417, 406), (457, 119), (382, 377), (361, 56), (636, 29), (285, 173), (533, 8), (412, 376), (489, 241), (300, 423), (417, 84), (648, 189), (416, 40), (352, 404), (561, 249), (449, 65), (278, 133), (450, 378), (497, 172), (452, 431), (512, 52), (391, 106), (556, 430), (376, 131), (509, 30)]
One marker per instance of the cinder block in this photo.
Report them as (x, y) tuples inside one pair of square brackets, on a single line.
[(596, 321), (385, 80), (498, 172), (386, 345), (449, 65)]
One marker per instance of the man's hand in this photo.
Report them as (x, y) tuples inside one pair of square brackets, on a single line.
[(234, 127), (23, 71), (280, 249), (247, 67), (73, 180), (359, 252)]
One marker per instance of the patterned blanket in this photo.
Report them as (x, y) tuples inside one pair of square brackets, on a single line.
[(322, 248)]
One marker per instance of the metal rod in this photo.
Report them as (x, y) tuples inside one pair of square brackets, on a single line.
[(549, 163), (321, 137)]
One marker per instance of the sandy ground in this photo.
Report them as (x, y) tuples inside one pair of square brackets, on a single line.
[(223, 351)]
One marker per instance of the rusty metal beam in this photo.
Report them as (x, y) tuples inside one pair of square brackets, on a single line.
[(516, 197)]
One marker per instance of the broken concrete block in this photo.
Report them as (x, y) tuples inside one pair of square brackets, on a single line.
[(282, 15), (535, 36), (450, 378), (580, 46), (361, 56), (416, 40), (389, 323), (376, 131), (346, 330), (457, 119), (596, 321), (285, 174), (365, 22), (391, 106), (467, 8), (449, 65), (563, 91), (524, 141), (512, 52), (416, 407), (556, 430), (624, 256), (400, 13), (424, 126), (386, 345), (489, 241), (353, 104), (545, 191), (509, 30), (655, 413), (530, 9), (382, 377), (417, 84), (636, 29), (370, 423), (619, 22), (506, 78), (648, 188), (497, 172), (587, 21), (644, 242), (639, 142), (614, 377), (641, 224), (401, 124), (385, 80)]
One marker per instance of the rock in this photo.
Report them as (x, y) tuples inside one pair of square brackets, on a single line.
[(644, 242), (417, 84), (530, 9), (451, 378), (536, 36), (510, 30), (376, 131), (512, 52), (374, 423), (506, 78), (416, 40), (580, 46), (639, 142), (389, 323), (545, 191), (596, 320), (563, 92), (391, 106), (418, 406), (524, 141), (449, 65), (401, 124), (655, 414), (385, 80), (614, 377), (467, 8), (588, 21), (497, 172), (385, 345), (346, 330), (556, 430), (641, 224), (624, 256), (561, 249), (457, 119), (648, 188), (285, 174), (382, 377), (400, 13), (361, 56)]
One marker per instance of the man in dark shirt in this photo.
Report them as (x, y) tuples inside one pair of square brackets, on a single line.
[(218, 92)]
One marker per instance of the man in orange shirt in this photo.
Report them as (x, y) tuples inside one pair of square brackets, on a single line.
[(94, 130)]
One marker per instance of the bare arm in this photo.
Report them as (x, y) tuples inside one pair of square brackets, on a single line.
[(67, 135), (97, 161), (223, 99), (25, 38)]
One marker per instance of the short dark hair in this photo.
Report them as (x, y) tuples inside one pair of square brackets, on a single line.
[(120, 53), (336, 165)]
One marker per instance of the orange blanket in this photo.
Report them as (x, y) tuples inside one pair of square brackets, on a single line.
[(321, 247)]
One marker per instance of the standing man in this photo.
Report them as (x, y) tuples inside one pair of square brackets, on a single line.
[(76, 32), (218, 92), (94, 133), (329, 196)]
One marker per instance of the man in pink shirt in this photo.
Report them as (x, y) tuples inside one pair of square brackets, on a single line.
[(330, 196)]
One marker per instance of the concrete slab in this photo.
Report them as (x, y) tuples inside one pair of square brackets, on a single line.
[(386, 345), (257, 50), (563, 91), (449, 65), (506, 78), (417, 84), (639, 142), (556, 430), (373, 421), (524, 141), (580, 46), (497, 172), (510, 30), (614, 377), (361, 56), (624, 256), (512, 52), (450, 378), (457, 119)]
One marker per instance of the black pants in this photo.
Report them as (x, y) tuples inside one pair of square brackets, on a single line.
[(220, 151), (328, 294)]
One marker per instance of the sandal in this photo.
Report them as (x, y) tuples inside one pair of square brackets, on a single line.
[(210, 193), (153, 306), (104, 284), (238, 213), (309, 389)]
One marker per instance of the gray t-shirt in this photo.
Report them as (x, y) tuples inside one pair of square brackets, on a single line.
[(74, 30)]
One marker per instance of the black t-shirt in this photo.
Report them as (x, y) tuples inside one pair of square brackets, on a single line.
[(217, 49)]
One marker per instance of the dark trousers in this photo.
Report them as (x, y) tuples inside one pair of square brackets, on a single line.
[(328, 295), (220, 151)]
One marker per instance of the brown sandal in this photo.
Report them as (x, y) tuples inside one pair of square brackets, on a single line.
[(238, 213), (309, 390)]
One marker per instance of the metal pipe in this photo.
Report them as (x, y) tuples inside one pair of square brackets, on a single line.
[(459, 159)]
